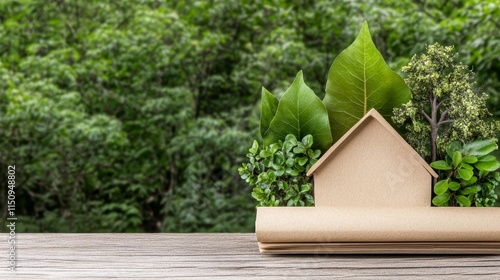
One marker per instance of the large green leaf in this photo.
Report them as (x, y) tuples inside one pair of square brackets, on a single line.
[(480, 147), (488, 166), (358, 80), (300, 112), (269, 105)]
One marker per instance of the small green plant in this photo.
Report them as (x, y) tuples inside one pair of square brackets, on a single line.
[(277, 172), (471, 175)]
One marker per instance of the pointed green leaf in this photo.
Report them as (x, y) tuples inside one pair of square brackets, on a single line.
[(269, 105), (300, 112), (358, 80), (479, 147)]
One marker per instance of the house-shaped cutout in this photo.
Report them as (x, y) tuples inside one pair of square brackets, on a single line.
[(372, 165)]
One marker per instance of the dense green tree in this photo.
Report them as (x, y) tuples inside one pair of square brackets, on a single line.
[(444, 106)]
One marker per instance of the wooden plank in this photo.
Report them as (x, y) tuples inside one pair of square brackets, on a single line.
[(217, 256)]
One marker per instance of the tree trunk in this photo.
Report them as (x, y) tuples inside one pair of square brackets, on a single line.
[(433, 121), (434, 132)]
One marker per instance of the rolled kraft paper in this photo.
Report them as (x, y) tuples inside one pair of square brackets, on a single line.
[(415, 224), (438, 247)]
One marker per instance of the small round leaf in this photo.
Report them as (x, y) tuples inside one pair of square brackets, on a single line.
[(469, 159), (441, 187), (465, 174), (454, 186), (471, 181), (441, 200), (470, 190), (440, 165), (463, 201)]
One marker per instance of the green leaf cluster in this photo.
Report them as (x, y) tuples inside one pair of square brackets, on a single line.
[(359, 79), (470, 175), (277, 172)]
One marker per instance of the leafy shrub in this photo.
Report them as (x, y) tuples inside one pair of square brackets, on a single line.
[(278, 172), (472, 175)]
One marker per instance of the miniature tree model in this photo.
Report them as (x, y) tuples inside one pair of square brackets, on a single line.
[(444, 106)]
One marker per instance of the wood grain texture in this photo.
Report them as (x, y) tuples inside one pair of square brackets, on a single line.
[(217, 256)]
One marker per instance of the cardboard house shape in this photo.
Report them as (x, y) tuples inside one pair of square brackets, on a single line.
[(372, 165)]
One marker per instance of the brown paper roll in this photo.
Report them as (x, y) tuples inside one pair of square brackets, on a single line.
[(415, 224)]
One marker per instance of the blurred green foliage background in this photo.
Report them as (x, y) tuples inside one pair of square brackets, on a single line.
[(134, 115)]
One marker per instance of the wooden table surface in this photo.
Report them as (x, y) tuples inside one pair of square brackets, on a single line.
[(217, 256)]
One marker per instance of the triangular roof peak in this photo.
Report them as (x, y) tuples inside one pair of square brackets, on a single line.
[(373, 114)]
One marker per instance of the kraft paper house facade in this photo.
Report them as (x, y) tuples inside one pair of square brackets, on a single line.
[(372, 165), (373, 195)]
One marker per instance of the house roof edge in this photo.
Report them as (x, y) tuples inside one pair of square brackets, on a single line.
[(376, 115)]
